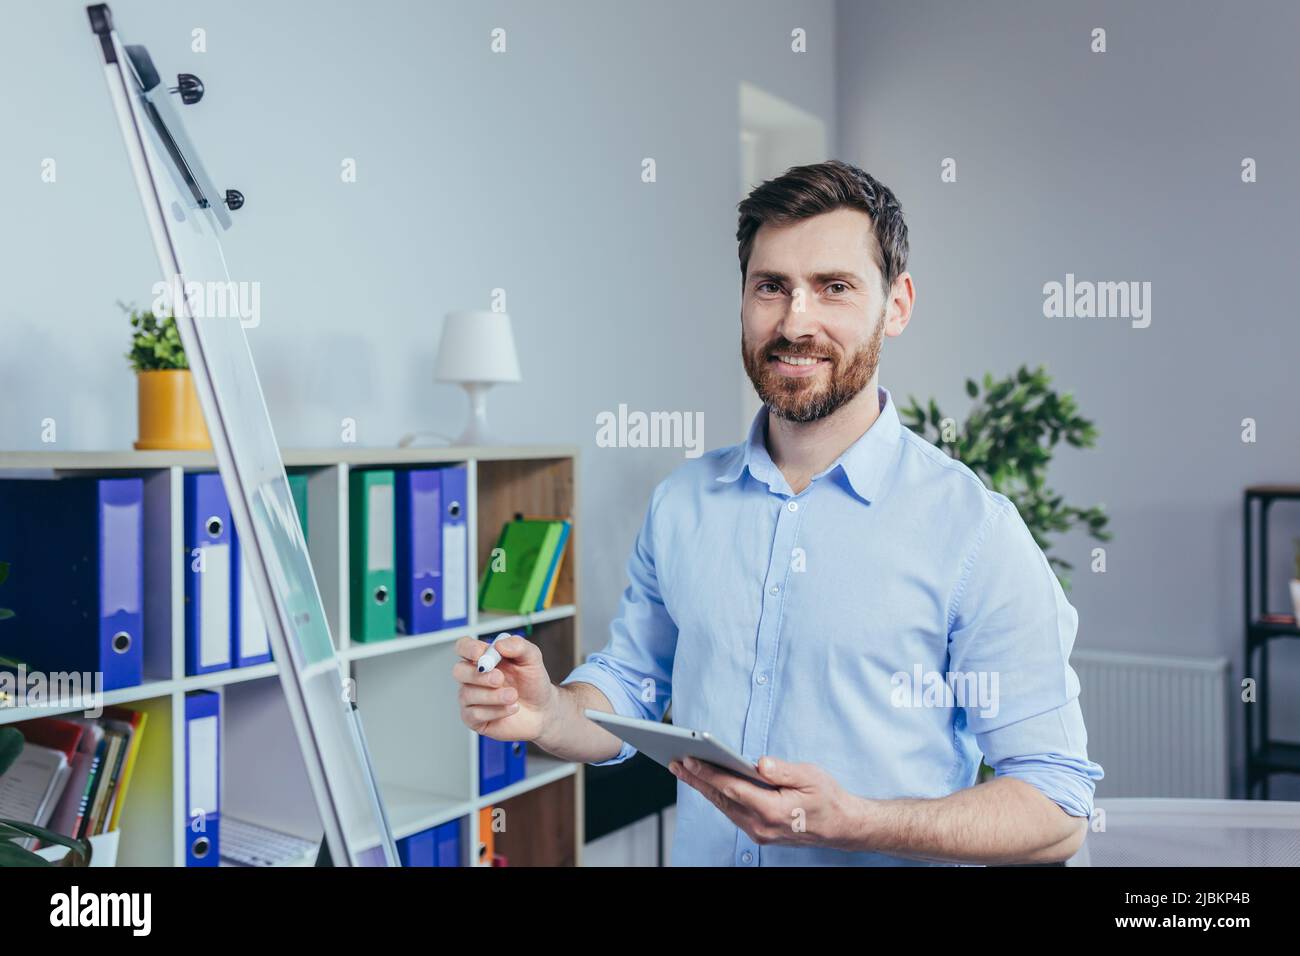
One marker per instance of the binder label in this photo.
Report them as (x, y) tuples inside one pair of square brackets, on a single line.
[(214, 606), (455, 593), (120, 584), (253, 639), (379, 544), (203, 766)]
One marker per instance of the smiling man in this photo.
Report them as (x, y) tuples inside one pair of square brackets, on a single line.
[(789, 593)]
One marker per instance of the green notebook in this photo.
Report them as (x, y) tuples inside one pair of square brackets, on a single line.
[(528, 547)]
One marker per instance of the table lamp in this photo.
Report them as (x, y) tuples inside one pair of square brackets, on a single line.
[(477, 352)]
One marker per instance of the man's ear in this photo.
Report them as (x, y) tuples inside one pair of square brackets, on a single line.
[(902, 299)]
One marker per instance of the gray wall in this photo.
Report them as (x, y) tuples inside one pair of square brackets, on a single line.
[(475, 171), (1116, 166)]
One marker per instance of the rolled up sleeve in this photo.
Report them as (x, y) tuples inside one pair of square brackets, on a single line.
[(1013, 628), (634, 669)]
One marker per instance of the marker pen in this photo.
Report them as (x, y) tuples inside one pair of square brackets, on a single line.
[(491, 657)]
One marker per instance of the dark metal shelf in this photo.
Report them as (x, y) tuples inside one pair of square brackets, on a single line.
[(1273, 491), (1264, 755), (1278, 756), (1258, 631)]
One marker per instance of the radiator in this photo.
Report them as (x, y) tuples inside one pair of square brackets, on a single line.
[(1157, 725)]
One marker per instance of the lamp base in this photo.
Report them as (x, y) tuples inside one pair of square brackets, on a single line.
[(476, 431)]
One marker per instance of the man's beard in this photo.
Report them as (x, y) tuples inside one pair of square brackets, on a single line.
[(800, 399)]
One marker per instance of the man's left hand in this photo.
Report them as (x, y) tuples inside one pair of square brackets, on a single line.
[(808, 808)]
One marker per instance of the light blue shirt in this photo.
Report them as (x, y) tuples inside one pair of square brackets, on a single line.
[(890, 623)]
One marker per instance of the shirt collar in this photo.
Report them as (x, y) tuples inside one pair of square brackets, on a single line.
[(865, 463)]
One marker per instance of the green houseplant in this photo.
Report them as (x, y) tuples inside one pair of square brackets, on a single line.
[(155, 341), (169, 412), (1008, 439)]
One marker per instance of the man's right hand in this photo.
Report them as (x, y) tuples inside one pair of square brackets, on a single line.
[(514, 700)]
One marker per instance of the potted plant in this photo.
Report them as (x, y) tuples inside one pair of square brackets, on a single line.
[(1008, 440), (169, 412)]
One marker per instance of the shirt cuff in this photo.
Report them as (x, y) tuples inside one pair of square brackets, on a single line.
[(1065, 781), (1049, 752), (612, 688)]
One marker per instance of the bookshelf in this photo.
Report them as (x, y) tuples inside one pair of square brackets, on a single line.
[(425, 758)]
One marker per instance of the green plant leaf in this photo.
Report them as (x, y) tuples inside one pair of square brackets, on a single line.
[(155, 342), (12, 855), (1008, 440), (80, 850)]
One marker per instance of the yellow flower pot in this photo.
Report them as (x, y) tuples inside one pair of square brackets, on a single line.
[(169, 412)]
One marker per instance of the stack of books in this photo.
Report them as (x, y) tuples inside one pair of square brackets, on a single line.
[(524, 567), (73, 773)]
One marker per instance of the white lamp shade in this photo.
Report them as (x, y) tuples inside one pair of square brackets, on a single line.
[(477, 347)]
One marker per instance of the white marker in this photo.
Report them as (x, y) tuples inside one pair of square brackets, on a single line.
[(491, 657)]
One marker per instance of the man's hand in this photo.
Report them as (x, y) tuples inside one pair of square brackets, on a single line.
[(1003, 821), (514, 700), (808, 809)]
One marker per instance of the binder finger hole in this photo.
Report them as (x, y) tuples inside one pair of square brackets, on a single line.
[(381, 594), (426, 597), (121, 642), (453, 509), (202, 846), (214, 526)]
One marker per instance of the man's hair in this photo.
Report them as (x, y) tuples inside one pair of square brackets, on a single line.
[(802, 192)]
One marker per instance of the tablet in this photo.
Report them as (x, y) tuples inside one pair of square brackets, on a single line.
[(665, 742)]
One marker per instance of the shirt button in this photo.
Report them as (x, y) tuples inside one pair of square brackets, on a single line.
[(747, 857), (774, 589), (762, 678), (793, 505)]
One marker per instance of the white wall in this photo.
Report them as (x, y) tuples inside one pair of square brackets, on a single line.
[(475, 171), (1116, 166)]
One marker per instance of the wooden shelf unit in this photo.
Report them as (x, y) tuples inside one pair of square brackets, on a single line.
[(427, 777)]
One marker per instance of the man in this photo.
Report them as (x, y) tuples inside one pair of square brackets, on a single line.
[(803, 595)]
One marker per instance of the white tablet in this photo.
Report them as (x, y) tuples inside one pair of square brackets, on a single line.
[(666, 742)]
